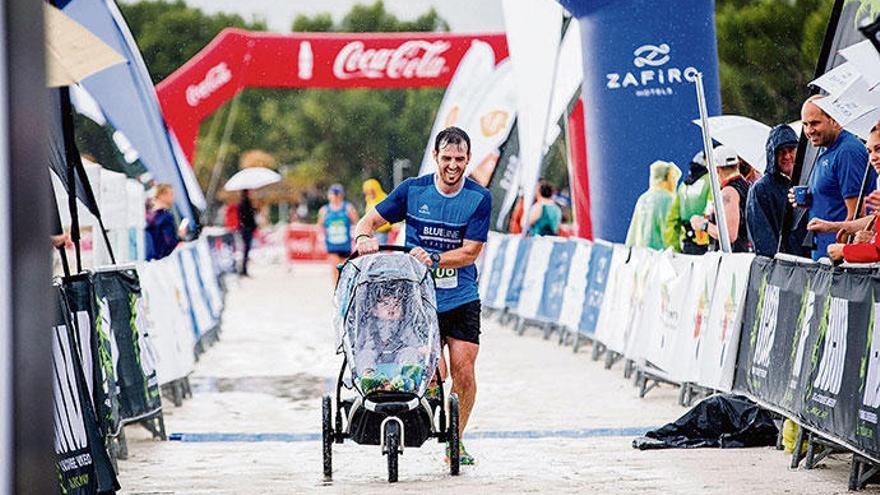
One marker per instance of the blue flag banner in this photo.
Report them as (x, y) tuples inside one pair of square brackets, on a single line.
[(519, 273), (494, 272), (597, 278), (640, 61), (555, 280)]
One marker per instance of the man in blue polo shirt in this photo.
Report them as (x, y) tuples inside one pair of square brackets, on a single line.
[(447, 222), (836, 178)]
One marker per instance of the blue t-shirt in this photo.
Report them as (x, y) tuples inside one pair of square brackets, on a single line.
[(337, 229), (438, 223), (836, 176)]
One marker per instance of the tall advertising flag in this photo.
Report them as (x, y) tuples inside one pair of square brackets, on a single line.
[(640, 61)]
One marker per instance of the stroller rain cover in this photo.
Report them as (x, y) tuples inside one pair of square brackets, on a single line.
[(386, 323)]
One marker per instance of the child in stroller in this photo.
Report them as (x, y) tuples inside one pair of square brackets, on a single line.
[(388, 331)]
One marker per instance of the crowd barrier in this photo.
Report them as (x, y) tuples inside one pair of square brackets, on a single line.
[(674, 315), (800, 338), (125, 336)]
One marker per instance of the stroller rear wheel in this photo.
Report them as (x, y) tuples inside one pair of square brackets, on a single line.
[(327, 434), (453, 436), (392, 448)]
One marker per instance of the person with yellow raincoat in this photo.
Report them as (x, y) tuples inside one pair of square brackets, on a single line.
[(373, 195), (652, 208)]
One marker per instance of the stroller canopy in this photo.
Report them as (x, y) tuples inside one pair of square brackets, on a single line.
[(386, 323)]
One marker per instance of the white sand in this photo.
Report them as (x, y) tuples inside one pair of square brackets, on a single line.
[(276, 358)]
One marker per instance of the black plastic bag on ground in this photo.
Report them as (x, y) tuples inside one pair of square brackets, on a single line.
[(725, 421)]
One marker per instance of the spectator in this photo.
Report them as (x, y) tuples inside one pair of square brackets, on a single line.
[(835, 182), (734, 191), (866, 247), (691, 198), (749, 173), (336, 218), (247, 224), (373, 195), (545, 214), (161, 230), (766, 203), (652, 208)]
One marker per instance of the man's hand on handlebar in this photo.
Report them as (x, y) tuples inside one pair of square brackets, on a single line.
[(422, 255), (367, 245)]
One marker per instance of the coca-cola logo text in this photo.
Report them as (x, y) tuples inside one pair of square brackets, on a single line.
[(412, 59), (216, 77)]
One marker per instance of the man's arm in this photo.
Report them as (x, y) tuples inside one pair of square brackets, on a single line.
[(364, 242), (731, 214), (851, 207), (535, 214), (320, 220), (352, 213), (466, 255)]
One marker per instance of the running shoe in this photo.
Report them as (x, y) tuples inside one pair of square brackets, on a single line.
[(464, 459)]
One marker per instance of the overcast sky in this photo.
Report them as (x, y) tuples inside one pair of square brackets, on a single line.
[(462, 15)]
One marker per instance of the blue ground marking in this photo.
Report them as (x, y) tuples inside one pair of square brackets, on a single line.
[(512, 434)]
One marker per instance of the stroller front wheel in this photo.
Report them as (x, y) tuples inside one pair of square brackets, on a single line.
[(327, 434), (392, 446), (454, 449)]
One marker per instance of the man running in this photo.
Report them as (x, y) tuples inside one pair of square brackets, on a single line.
[(336, 218), (447, 222)]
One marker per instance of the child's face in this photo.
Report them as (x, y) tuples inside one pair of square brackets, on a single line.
[(388, 308)]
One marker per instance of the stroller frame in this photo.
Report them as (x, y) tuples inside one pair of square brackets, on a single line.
[(355, 418)]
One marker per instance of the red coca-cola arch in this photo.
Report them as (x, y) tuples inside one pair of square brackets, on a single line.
[(237, 59)]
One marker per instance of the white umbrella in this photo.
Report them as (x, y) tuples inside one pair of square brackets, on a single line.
[(252, 178), (73, 53), (747, 136)]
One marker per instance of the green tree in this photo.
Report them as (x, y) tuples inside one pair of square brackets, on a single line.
[(767, 52), (169, 33)]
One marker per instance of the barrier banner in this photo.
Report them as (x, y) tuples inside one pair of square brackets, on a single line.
[(634, 335), (779, 326), (719, 341), (615, 302), (92, 334), (664, 306), (486, 263), (518, 273), (222, 249), (305, 242), (81, 459), (553, 291), (694, 318), (536, 270), (492, 287), (121, 304), (839, 359), (868, 399), (202, 282), (576, 285), (203, 320), (212, 272), (171, 329), (601, 255)]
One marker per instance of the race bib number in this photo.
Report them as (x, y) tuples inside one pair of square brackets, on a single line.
[(337, 233), (446, 278)]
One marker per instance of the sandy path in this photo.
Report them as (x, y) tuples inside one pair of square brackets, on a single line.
[(276, 358)]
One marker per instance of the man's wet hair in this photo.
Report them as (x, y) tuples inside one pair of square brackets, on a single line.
[(451, 135)]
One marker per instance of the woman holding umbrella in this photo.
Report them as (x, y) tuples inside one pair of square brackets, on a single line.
[(244, 181)]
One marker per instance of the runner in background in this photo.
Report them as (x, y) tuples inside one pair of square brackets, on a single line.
[(373, 195), (337, 218)]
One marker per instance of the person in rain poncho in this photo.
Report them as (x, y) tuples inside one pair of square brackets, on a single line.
[(652, 208), (373, 195), (766, 204), (691, 198)]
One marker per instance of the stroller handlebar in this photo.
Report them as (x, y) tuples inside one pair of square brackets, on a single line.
[(383, 248)]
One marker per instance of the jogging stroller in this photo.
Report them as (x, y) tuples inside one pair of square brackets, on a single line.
[(387, 330)]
